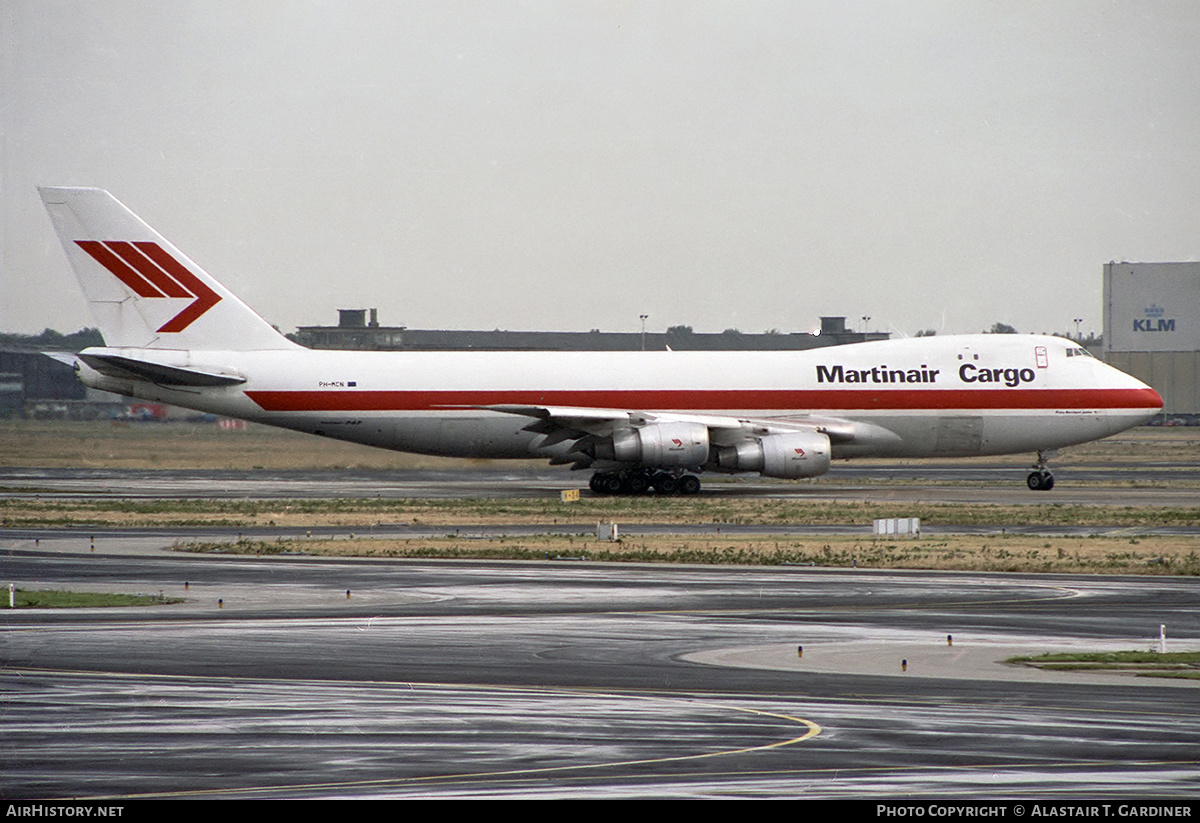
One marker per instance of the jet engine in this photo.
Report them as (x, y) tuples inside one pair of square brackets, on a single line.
[(789, 455), (663, 445)]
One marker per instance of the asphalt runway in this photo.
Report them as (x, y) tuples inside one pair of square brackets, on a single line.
[(1156, 484), (327, 678), (570, 680)]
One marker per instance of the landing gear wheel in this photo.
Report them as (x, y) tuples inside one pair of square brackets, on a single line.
[(689, 484), (1040, 481), (665, 483), (635, 483), (605, 483)]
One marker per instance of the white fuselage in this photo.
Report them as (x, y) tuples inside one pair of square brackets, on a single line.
[(938, 396)]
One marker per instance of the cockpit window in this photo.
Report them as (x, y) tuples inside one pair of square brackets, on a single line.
[(1078, 352)]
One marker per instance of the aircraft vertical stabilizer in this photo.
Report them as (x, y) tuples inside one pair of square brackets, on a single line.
[(142, 291)]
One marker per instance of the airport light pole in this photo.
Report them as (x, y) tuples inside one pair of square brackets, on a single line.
[(643, 319), (865, 320), (1078, 320)]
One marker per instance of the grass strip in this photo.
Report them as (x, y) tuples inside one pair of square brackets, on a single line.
[(54, 599), (988, 553), (1185, 665), (24, 512)]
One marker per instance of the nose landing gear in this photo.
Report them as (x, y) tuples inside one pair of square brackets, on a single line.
[(1040, 479)]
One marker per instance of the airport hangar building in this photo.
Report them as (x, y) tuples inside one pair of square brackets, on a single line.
[(1152, 328)]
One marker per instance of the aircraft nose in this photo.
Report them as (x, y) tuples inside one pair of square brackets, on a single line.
[(1157, 399), (1133, 403), (1150, 414), (1146, 399)]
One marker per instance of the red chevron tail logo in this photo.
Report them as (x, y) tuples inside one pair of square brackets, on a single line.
[(151, 272)]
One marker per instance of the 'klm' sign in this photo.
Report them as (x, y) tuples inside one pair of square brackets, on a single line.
[(1154, 320)]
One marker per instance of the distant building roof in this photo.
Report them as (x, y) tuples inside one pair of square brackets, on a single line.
[(355, 332)]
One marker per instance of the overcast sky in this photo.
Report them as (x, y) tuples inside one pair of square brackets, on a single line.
[(572, 165)]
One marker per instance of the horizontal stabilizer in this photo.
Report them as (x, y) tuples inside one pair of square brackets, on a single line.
[(125, 368), (64, 357)]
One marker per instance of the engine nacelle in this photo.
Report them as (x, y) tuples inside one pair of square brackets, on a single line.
[(789, 455), (660, 444)]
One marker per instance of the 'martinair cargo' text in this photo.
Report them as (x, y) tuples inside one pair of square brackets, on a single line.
[(967, 373)]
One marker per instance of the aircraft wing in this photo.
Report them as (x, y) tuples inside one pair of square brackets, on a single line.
[(602, 421), (586, 426), (551, 419)]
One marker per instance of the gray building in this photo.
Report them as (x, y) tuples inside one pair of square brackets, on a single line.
[(1152, 328), (360, 329), (34, 385)]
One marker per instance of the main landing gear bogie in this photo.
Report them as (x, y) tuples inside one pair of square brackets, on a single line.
[(641, 481)]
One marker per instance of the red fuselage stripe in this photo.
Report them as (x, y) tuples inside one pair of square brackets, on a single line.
[(352, 400)]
